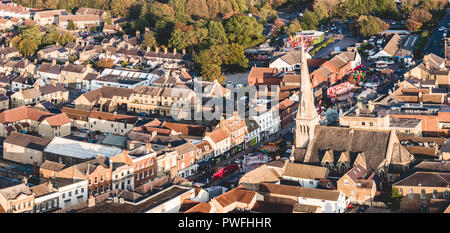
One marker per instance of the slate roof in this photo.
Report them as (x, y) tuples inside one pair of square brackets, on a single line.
[(297, 191), (426, 179)]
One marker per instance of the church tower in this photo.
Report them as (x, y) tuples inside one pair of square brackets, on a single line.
[(307, 116)]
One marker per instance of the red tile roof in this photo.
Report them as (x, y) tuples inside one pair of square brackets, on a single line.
[(58, 120)]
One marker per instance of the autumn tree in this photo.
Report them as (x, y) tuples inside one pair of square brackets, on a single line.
[(421, 15), (105, 63), (197, 8), (211, 72), (412, 25), (293, 27)]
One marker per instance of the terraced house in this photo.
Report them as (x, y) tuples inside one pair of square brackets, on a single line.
[(72, 75), (143, 162), (55, 94), (105, 99)]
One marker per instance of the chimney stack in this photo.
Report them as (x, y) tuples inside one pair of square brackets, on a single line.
[(148, 49), (165, 50), (138, 34), (174, 50), (131, 145), (157, 49), (54, 62), (184, 51), (91, 201)]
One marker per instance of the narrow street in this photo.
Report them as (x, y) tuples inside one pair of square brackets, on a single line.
[(199, 177)]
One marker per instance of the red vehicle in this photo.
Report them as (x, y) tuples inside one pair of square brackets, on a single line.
[(226, 171)]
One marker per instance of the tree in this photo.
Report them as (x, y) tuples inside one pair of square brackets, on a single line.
[(421, 15), (396, 193), (27, 47), (71, 25), (370, 25), (197, 8), (211, 72), (386, 8), (149, 41), (309, 20), (320, 9), (233, 57), (105, 63), (412, 25), (216, 33), (244, 30), (120, 7), (293, 27)]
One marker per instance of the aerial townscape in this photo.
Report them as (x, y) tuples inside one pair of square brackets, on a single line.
[(224, 106)]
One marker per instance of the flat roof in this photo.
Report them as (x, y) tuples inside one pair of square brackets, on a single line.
[(78, 149), (142, 206), (404, 122)]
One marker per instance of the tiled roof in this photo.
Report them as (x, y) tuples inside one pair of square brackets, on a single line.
[(186, 129), (297, 191), (235, 195), (58, 120), (218, 135), (113, 117), (262, 72), (27, 141), (305, 171), (52, 166), (22, 113)]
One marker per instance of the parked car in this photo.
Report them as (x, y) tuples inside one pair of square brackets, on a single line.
[(143, 114), (442, 28), (84, 131), (92, 141)]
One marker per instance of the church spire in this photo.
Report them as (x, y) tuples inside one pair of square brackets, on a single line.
[(307, 109)]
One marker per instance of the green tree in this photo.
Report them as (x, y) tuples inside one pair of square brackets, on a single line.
[(216, 33), (244, 30), (233, 57), (71, 25), (293, 27), (27, 47), (321, 11), (396, 193), (149, 41), (370, 25), (211, 72), (309, 20)]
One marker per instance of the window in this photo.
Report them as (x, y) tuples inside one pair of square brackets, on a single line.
[(76, 191), (82, 190), (422, 193), (63, 195), (70, 193), (446, 194), (101, 178), (435, 193), (345, 182), (95, 180)]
